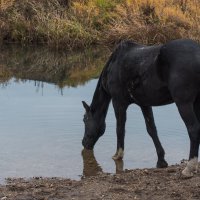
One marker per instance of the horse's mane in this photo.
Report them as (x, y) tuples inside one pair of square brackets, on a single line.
[(100, 86), (128, 43)]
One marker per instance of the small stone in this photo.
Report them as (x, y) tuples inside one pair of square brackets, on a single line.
[(3, 198)]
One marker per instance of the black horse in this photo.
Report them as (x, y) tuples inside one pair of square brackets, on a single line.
[(148, 76)]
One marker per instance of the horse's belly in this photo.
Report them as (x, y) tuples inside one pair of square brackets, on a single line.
[(151, 97)]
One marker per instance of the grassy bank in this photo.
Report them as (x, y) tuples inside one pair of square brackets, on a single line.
[(82, 23)]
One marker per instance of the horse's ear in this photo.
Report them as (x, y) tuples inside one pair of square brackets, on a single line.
[(87, 108)]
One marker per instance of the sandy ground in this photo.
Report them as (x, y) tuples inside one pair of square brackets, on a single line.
[(155, 184)]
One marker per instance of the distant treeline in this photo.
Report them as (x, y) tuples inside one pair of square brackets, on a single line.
[(80, 23)]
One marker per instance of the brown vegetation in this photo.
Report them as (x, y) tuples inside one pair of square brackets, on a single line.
[(81, 23)]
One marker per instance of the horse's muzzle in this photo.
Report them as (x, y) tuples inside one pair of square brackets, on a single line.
[(86, 144)]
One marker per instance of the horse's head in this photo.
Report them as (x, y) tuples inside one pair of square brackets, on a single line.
[(94, 127)]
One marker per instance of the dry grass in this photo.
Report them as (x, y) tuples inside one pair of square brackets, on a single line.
[(81, 23), (153, 21)]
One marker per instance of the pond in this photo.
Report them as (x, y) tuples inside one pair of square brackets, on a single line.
[(41, 125)]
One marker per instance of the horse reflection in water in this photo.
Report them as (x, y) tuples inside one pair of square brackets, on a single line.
[(92, 168)]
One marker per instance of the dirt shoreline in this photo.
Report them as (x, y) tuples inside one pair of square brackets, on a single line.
[(155, 184)]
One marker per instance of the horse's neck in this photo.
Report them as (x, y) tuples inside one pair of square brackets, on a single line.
[(100, 102)]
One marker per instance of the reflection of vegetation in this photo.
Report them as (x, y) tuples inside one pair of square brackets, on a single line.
[(37, 63), (79, 76), (4, 74)]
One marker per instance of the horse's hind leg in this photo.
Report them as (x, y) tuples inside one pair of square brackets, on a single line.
[(197, 112), (197, 107), (151, 129), (190, 115)]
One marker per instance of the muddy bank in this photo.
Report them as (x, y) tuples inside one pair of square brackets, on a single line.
[(142, 184)]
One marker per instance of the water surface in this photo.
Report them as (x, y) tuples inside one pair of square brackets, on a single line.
[(41, 114)]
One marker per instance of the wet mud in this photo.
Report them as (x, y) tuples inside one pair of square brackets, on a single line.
[(141, 184)]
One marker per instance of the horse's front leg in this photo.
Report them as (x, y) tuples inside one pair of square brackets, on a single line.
[(151, 129), (120, 114)]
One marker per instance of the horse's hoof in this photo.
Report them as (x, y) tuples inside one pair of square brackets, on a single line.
[(162, 164), (119, 155), (192, 167), (114, 157), (187, 173)]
